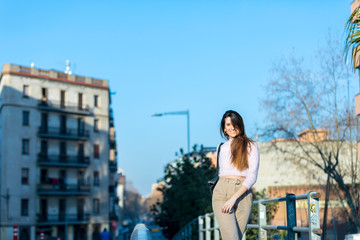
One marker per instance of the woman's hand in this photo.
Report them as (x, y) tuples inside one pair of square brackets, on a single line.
[(231, 202), (229, 205)]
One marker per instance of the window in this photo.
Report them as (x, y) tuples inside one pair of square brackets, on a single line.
[(81, 127), (25, 118), (43, 95), (24, 176), (44, 123), (63, 151), (80, 101), (96, 151), (96, 100), (25, 91), (96, 178), (96, 206), (24, 207), (25, 147), (96, 125), (43, 176), (63, 124), (62, 99), (44, 149)]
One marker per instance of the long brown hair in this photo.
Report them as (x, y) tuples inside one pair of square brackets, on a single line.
[(240, 144)]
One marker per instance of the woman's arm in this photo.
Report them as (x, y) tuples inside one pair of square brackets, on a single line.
[(253, 169), (231, 202)]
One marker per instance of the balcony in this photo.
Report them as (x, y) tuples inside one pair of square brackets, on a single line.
[(63, 107), (63, 161), (68, 133), (357, 104), (61, 218), (112, 166), (55, 187), (113, 216), (112, 189), (112, 140), (111, 118)]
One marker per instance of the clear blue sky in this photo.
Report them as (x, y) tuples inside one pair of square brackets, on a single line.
[(205, 56)]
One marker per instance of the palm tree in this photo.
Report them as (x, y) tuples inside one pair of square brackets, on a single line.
[(352, 42)]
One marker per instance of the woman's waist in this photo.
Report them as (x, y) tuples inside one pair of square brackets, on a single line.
[(233, 178)]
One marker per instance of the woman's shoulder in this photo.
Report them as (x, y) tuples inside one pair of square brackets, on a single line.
[(253, 146), (218, 146)]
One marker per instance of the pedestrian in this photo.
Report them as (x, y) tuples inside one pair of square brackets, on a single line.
[(105, 235), (238, 170)]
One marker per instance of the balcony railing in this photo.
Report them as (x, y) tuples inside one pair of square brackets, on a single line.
[(62, 217), (57, 106), (68, 133), (112, 189), (56, 187), (113, 166), (63, 160)]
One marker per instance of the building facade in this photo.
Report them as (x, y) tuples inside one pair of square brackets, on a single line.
[(58, 154)]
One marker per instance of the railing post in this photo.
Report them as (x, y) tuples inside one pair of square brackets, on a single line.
[(188, 232), (200, 222), (314, 215), (207, 227), (262, 220), (290, 215), (216, 229)]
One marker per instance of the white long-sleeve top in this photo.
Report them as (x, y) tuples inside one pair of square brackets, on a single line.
[(228, 169)]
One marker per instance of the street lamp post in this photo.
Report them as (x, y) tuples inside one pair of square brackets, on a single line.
[(187, 113)]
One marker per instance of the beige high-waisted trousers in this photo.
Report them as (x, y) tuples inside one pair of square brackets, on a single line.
[(232, 225)]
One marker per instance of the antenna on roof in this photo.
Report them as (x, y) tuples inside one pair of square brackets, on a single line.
[(67, 70)]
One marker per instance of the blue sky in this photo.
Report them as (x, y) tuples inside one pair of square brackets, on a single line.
[(159, 56)]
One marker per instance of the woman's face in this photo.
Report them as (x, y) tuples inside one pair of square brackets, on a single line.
[(229, 128)]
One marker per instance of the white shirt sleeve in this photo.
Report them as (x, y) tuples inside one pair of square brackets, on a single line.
[(252, 173)]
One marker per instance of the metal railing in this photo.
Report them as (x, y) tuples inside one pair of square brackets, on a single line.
[(206, 227), (140, 233), (63, 217), (63, 189), (113, 166), (64, 106), (63, 160), (58, 132)]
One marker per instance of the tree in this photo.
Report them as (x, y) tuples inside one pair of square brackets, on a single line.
[(185, 194), (352, 42), (300, 98), (133, 207)]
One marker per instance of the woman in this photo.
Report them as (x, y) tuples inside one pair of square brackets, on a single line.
[(238, 169)]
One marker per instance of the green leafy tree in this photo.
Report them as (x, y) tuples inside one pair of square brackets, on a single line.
[(185, 194), (352, 30)]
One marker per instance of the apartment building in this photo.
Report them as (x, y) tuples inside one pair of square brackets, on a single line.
[(57, 154)]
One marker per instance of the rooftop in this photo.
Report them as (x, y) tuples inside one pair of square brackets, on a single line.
[(53, 75)]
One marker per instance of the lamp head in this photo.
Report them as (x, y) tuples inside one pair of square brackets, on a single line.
[(156, 114)]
